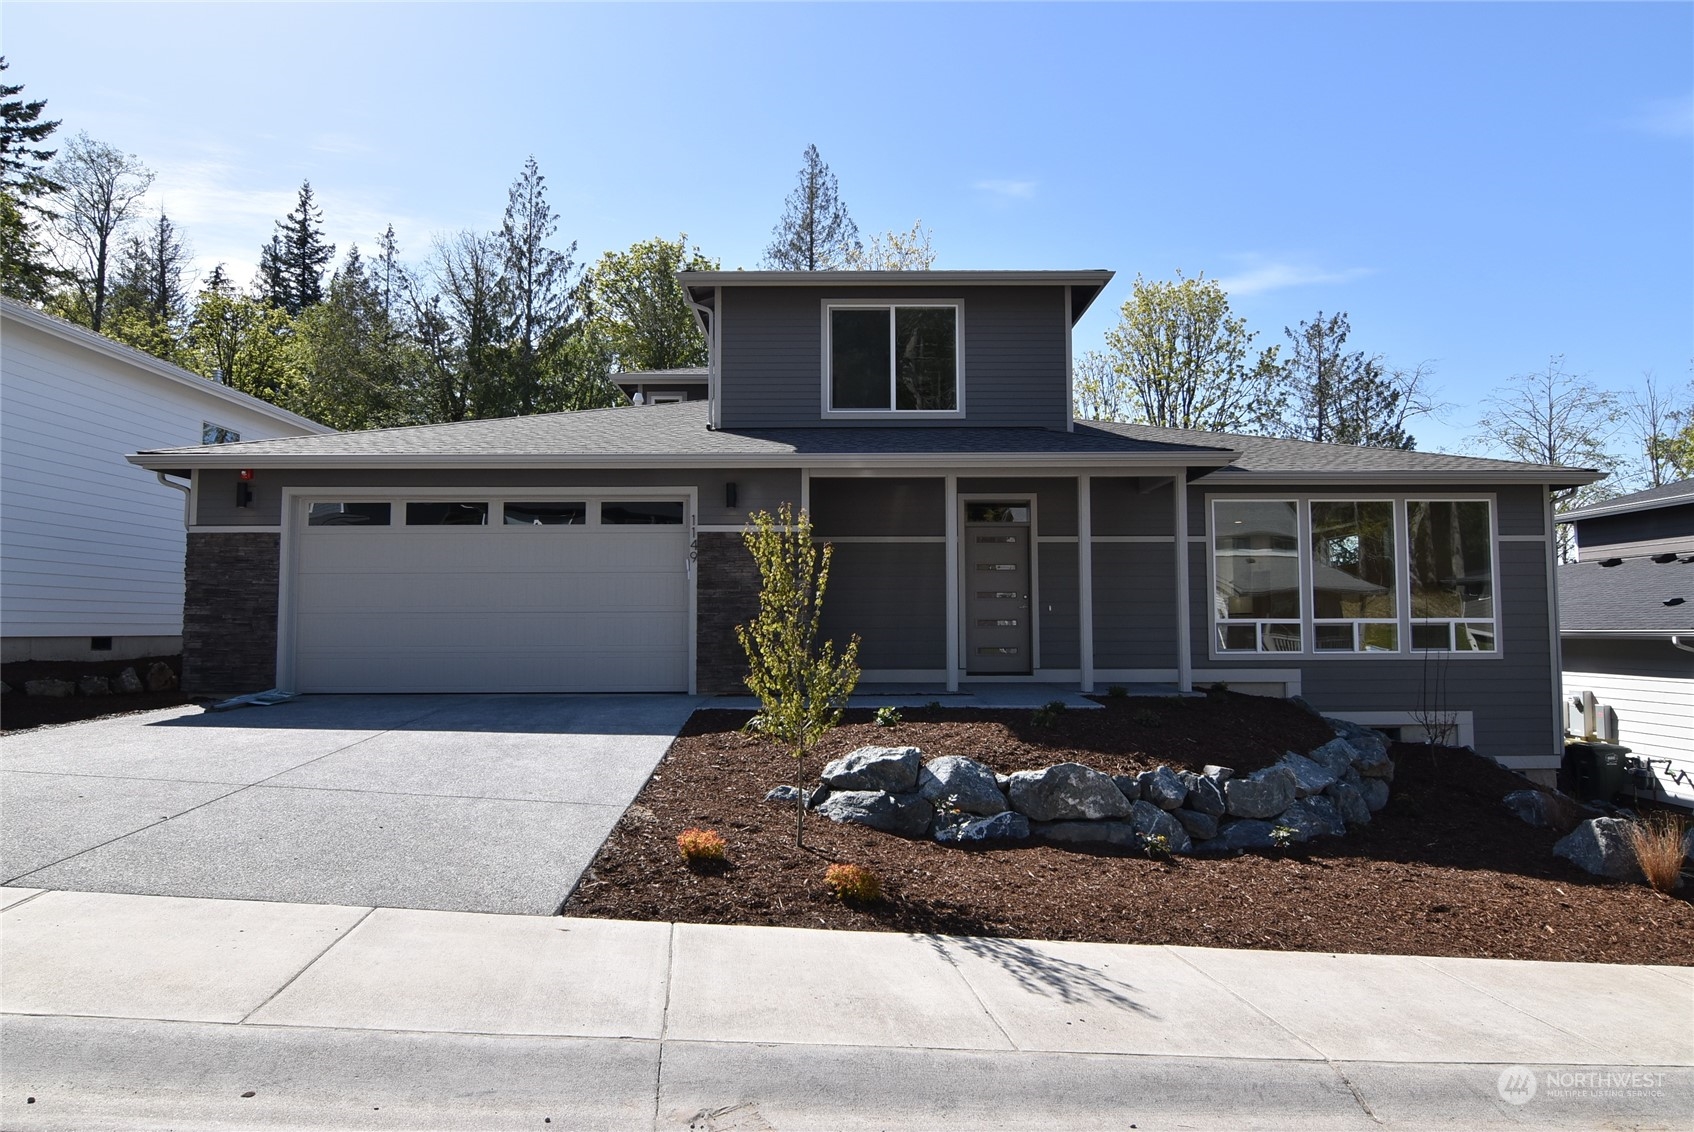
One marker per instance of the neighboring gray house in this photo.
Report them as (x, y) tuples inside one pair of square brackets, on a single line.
[(1627, 624), (924, 420), (663, 386)]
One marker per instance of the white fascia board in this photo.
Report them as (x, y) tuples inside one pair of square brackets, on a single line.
[(1090, 277), (1626, 634), (164, 461), (1601, 510), (117, 351)]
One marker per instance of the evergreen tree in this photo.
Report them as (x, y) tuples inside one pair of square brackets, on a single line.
[(388, 273), (354, 366), (25, 270), (292, 265), (537, 285), (1347, 398), (815, 232)]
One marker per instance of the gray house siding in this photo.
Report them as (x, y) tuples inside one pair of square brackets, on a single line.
[(878, 507), (1627, 658), (1134, 605), (756, 489), (771, 355), (1060, 608), (894, 596), (1662, 529)]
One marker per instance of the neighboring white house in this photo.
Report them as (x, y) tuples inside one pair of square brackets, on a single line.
[(91, 547)]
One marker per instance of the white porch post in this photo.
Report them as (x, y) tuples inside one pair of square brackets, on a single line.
[(951, 496), (1184, 644), (1085, 576)]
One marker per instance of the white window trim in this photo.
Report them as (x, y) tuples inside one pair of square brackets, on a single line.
[(1402, 577), (891, 413)]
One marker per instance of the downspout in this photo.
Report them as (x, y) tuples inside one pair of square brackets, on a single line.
[(707, 319), (187, 499), (1678, 641)]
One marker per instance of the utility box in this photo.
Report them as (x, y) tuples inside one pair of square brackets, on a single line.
[(1595, 771)]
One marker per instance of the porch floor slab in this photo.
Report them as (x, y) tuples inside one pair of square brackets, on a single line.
[(969, 695)]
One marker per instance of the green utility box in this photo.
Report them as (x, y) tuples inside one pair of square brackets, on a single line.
[(1595, 771)]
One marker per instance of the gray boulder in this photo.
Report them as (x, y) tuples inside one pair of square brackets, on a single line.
[(893, 769), (160, 677), (1003, 781), (1364, 739), (957, 783), (1532, 807), (5, 688), (905, 814), (1129, 785), (1237, 835), (129, 683), (1300, 702), (1205, 795), (1324, 814), (786, 793), (1600, 846), (1199, 826), (1163, 788), (1262, 794), (1349, 803), (1152, 822), (1218, 774), (94, 686), (1087, 832), (1309, 777), (52, 689), (1375, 792), (1066, 792), (957, 828), (1335, 756), (1294, 826)]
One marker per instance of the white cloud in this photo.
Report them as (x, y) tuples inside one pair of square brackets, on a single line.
[(1258, 275), (1011, 190), (1669, 117)]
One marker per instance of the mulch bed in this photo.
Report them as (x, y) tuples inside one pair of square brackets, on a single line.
[(1444, 870), (19, 712)]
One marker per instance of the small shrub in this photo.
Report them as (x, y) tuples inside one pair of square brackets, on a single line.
[(887, 716), (1158, 846), (700, 846), (1048, 714), (1283, 836), (1217, 691), (1146, 717), (1117, 692), (853, 882), (1657, 841), (933, 705)]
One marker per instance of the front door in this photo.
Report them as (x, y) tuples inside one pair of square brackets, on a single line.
[(997, 588)]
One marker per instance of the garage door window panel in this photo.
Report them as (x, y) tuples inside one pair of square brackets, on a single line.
[(526, 514), (446, 514), (642, 513), (336, 514)]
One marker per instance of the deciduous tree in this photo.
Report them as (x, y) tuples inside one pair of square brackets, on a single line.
[(635, 303), (894, 251), (1348, 397), (100, 193), (815, 232), (240, 342)]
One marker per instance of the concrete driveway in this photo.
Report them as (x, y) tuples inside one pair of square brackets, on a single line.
[(457, 803)]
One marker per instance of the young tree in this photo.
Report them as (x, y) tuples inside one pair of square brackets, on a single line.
[(26, 272), (100, 193), (894, 251), (1347, 398), (292, 265), (1182, 360), (815, 232), (802, 685), (633, 300), (1653, 416), (537, 285)]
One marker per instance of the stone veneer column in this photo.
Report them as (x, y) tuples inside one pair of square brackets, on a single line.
[(229, 612), (727, 595)]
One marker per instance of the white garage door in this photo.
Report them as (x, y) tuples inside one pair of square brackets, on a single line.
[(489, 595)]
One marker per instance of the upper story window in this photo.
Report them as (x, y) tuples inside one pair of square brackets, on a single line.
[(217, 434), (1330, 576), (882, 357)]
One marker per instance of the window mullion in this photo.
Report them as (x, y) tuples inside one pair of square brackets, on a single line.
[(893, 356), (1303, 554), (1403, 569)]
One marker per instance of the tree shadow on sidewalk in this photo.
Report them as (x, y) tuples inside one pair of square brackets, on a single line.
[(1041, 974)]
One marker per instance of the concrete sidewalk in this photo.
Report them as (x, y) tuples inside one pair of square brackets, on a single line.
[(126, 1011)]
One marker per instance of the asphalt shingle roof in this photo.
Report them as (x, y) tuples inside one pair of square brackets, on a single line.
[(1670, 495), (1628, 597)]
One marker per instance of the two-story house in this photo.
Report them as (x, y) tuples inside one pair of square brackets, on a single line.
[(924, 421)]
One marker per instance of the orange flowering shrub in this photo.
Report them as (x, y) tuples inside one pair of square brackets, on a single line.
[(853, 882), (700, 845)]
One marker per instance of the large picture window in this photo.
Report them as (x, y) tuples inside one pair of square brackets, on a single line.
[(1333, 576), (893, 358)]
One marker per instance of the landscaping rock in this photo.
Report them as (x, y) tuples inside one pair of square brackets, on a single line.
[(1325, 814), (1199, 826), (1349, 803), (1205, 795), (1236, 835), (905, 814), (1004, 826), (160, 677), (1293, 826), (786, 793), (1262, 794), (5, 688), (1218, 774), (1066, 792), (1532, 807), (94, 686), (1152, 822), (1300, 702), (1086, 832), (129, 683), (958, 783), (52, 689), (891, 769), (1364, 739), (1600, 846), (1163, 788), (1335, 756), (1373, 765), (1129, 785), (1375, 792), (1003, 781), (1309, 777)]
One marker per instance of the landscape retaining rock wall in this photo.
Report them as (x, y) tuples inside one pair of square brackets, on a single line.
[(955, 799)]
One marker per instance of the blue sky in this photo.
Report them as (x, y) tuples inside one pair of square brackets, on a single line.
[(1478, 186)]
